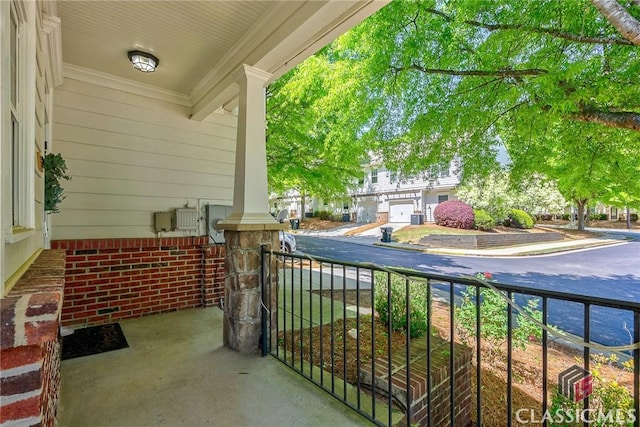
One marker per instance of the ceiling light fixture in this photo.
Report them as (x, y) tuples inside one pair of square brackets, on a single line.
[(143, 61)]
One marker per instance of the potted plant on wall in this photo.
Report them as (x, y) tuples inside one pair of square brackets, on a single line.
[(55, 170)]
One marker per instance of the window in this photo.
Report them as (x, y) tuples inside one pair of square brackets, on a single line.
[(15, 120), (13, 41), (374, 176), (19, 118), (443, 198)]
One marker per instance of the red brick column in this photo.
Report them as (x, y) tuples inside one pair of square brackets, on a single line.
[(428, 407), (29, 346)]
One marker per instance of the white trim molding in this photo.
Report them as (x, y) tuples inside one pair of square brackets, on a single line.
[(51, 26), (112, 82)]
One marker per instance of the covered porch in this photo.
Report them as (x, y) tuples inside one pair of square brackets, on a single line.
[(176, 372), (144, 149)]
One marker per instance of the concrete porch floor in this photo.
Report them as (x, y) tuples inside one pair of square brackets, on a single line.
[(176, 372)]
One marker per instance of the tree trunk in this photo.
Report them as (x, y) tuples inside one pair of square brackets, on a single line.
[(582, 203), (617, 119), (620, 18), (302, 207), (628, 218)]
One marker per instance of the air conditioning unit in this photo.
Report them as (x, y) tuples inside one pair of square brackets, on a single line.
[(215, 214)]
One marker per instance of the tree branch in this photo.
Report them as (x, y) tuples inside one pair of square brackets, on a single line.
[(549, 31), (502, 73), (620, 18), (505, 112), (480, 86), (439, 13), (621, 120), (552, 32)]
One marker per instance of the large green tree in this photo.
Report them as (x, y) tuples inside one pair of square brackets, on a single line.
[(429, 81), (313, 143), (497, 194), (459, 77)]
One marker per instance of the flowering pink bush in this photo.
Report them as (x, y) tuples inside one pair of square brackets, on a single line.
[(484, 275), (455, 214)]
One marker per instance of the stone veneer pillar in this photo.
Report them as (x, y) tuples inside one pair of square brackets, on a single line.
[(243, 292), (249, 226)]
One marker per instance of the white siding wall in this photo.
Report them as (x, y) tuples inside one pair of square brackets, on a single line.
[(130, 156), (408, 190)]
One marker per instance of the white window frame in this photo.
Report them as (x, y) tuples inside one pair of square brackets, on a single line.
[(374, 176), (20, 199)]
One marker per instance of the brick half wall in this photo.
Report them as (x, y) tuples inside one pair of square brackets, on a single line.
[(107, 280), (29, 346)]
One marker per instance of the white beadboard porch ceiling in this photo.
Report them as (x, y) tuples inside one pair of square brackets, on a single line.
[(201, 43)]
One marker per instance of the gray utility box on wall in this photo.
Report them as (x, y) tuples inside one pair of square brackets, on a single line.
[(216, 213), (163, 221)]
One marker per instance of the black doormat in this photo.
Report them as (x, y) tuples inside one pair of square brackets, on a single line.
[(93, 340)]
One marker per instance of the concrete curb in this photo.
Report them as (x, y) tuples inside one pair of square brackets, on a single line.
[(518, 251)]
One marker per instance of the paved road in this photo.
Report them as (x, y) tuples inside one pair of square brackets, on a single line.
[(609, 272)]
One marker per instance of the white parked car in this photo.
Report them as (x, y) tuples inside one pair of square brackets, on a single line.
[(287, 242)]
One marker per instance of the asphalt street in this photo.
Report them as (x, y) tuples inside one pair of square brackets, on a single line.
[(608, 272)]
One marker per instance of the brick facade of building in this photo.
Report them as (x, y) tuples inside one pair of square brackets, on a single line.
[(113, 279)]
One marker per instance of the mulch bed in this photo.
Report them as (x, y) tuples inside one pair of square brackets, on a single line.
[(526, 364)]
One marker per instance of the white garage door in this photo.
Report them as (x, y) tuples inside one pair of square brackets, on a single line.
[(400, 212)]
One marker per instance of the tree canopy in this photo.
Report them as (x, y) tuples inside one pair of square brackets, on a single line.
[(497, 195), (312, 136), (423, 82)]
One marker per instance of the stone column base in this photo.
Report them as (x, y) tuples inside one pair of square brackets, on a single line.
[(242, 319)]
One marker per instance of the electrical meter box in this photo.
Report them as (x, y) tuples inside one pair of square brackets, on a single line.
[(215, 214)]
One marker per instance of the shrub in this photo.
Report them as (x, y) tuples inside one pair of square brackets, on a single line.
[(520, 219), (55, 169), (566, 217), (398, 310), (545, 217), (634, 217), (482, 220), (493, 320), (533, 218), (323, 215), (599, 217), (454, 214)]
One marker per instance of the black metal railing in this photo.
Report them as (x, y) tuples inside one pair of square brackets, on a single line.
[(464, 350)]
